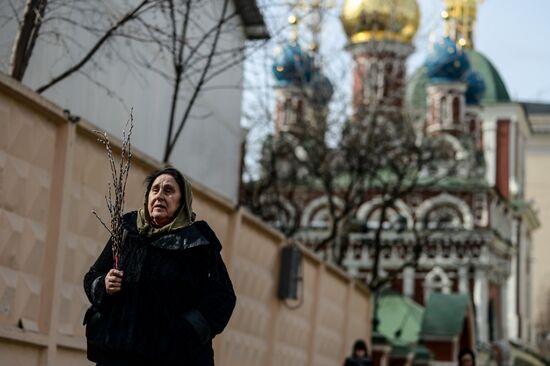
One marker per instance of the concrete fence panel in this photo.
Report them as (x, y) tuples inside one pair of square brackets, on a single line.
[(54, 173)]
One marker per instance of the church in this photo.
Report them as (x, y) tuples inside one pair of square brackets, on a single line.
[(470, 231)]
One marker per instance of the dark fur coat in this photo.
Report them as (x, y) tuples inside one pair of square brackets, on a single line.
[(175, 297)]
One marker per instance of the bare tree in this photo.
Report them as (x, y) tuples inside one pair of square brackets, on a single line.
[(143, 35), (132, 14), (375, 156), (347, 159), (37, 13), (26, 37)]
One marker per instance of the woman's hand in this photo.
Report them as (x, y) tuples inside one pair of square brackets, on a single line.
[(113, 281)]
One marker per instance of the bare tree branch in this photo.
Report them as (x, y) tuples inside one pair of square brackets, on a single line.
[(126, 18), (170, 145)]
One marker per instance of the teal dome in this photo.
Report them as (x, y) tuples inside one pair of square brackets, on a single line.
[(292, 65), (322, 88), (495, 89), (446, 62), (475, 88)]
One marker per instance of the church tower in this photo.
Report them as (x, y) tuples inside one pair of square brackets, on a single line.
[(447, 65), (454, 89), (302, 90), (380, 35)]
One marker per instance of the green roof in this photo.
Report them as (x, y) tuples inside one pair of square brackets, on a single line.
[(415, 91), (400, 349), (421, 353), (379, 339), (396, 312), (521, 204), (495, 89), (454, 183), (444, 315)]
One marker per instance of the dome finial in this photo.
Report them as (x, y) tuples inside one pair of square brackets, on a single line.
[(293, 21), (460, 17), (313, 11)]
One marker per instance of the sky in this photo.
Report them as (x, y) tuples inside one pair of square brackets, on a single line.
[(513, 34)]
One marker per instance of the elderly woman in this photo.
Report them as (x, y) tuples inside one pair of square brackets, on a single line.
[(359, 355), (466, 357), (171, 294)]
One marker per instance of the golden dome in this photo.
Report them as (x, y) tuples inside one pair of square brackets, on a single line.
[(366, 20)]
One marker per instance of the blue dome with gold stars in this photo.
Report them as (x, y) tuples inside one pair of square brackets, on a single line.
[(476, 88), (446, 62), (322, 88), (292, 65)]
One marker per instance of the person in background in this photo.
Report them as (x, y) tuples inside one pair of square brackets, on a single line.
[(171, 293), (466, 357), (359, 355)]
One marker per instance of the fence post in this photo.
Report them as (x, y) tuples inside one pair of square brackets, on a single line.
[(56, 238), (320, 273), (347, 319), (233, 234)]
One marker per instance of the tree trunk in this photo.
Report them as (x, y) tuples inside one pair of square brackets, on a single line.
[(26, 37)]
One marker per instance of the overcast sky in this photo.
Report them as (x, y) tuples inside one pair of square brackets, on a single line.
[(513, 34)]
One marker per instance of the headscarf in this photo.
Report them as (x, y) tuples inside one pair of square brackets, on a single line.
[(183, 218)]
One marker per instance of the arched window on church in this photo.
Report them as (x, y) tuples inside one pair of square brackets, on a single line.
[(287, 114), (321, 219), (279, 211), (380, 81), (298, 111), (392, 219), (443, 115), (456, 110), (388, 73), (492, 321), (436, 281), (443, 217), (316, 214)]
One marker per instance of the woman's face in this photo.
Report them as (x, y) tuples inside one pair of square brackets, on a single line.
[(164, 200), (466, 360), (360, 353)]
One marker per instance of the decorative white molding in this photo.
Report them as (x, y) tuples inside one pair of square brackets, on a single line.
[(480, 205), (460, 152), (399, 49), (408, 281), (489, 145), (315, 208), (436, 281), (481, 301), (463, 283), (446, 198), (289, 209), (366, 208)]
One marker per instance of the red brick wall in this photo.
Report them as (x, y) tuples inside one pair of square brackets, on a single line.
[(503, 158), (442, 351), (494, 297)]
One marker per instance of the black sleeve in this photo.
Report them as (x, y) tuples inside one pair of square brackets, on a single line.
[(94, 280), (217, 300)]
